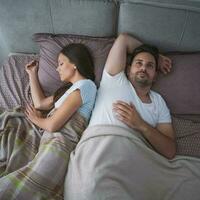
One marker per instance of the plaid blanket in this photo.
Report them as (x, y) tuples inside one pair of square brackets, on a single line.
[(33, 164)]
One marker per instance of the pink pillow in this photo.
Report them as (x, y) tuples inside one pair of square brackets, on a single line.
[(15, 90), (181, 87), (50, 45)]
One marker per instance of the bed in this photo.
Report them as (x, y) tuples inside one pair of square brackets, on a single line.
[(102, 166)]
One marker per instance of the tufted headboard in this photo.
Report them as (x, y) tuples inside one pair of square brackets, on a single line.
[(172, 25)]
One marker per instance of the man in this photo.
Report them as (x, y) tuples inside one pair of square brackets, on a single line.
[(125, 97)]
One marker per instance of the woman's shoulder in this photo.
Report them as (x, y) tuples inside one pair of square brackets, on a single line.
[(87, 89), (86, 84)]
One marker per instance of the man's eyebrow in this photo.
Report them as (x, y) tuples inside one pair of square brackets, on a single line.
[(138, 59), (142, 60)]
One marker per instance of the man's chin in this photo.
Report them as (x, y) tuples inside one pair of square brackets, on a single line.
[(141, 79), (144, 82)]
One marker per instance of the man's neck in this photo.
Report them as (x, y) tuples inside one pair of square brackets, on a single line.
[(143, 93)]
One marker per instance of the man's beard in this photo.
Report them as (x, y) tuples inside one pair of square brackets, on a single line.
[(142, 82)]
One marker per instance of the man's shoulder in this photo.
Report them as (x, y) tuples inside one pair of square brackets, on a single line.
[(156, 95), (118, 78)]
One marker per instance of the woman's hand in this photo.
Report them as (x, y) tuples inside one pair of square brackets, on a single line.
[(164, 64), (32, 67), (32, 114)]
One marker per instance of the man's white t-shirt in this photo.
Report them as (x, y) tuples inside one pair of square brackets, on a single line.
[(118, 87)]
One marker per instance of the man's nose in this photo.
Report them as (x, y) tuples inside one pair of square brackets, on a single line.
[(143, 67)]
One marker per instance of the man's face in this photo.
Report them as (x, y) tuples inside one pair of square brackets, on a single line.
[(143, 70)]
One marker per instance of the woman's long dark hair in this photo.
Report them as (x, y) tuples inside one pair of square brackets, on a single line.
[(79, 55), (60, 91)]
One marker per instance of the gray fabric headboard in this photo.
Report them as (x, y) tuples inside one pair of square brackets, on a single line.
[(172, 25)]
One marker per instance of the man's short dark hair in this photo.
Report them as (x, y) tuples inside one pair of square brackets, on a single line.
[(146, 48)]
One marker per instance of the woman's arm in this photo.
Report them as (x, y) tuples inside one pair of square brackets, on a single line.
[(60, 116), (40, 101)]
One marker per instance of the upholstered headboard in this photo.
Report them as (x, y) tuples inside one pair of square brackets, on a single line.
[(172, 25)]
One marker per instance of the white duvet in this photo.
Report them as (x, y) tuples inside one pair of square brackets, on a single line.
[(111, 163)]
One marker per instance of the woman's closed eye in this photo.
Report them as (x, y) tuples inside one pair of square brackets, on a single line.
[(60, 64)]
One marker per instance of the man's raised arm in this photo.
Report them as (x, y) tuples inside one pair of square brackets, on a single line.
[(116, 61), (123, 45)]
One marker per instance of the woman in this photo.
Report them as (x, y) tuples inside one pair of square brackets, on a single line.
[(38, 155)]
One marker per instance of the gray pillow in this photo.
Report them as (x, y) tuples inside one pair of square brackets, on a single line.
[(181, 87), (50, 45)]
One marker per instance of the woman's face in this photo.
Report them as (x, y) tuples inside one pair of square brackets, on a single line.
[(65, 68)]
